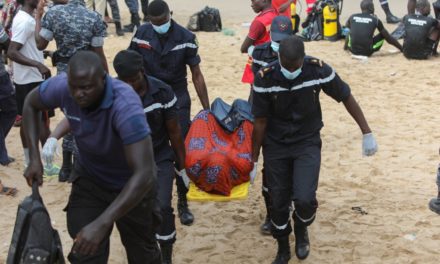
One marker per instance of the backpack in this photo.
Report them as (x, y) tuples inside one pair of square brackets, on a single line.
[(208, 20), (313, 27), (34, 240)]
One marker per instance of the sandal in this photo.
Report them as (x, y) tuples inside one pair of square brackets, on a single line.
[(7, 190)]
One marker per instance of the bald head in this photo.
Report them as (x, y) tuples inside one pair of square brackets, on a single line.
[(86, 61), (367, 6), (423, 7)]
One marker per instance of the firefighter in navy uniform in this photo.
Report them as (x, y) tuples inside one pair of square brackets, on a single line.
[(262, 55), (422, 33), (288, 119), (160, 108), (167, 48), (361, 40)]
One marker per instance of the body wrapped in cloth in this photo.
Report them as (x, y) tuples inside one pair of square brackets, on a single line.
[(218, 147)]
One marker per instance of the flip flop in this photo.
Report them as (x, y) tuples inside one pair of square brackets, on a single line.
[(7, 190)]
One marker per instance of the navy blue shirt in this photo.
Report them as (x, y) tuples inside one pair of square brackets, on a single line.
[(160, 105), (262, 56), (168, 62), (101, 134), (292, 107)]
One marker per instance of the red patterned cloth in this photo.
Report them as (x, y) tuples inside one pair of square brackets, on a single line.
[(216, 160)]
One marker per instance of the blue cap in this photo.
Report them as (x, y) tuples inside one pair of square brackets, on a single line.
[(280, 28)]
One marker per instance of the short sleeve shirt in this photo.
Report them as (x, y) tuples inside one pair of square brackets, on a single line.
[(80, 29), (23, 30), (101, 134), (292, 106)]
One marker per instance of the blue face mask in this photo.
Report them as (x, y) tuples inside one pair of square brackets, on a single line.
[(275, 46), (290, 75), (162, 29)]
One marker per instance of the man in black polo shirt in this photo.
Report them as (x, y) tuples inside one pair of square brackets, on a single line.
[(361, 40), (422, 32), (288, 119)]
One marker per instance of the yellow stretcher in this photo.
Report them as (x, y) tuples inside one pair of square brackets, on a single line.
[(239, 192)]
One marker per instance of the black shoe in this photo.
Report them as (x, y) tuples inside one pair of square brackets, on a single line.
[(392, 19), (119, 30), (283, 254), (302, 244), (167, 254), (66, 167), (135, 23), (266, 227), (185, 215), (434, 205)]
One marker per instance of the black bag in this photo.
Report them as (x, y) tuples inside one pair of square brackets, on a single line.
[(34, 240), (208, 20)]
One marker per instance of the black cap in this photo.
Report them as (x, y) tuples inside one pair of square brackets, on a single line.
[(127, 63), (280, 28)]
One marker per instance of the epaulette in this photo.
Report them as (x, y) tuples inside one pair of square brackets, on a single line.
[(316, 62), (265, 70)]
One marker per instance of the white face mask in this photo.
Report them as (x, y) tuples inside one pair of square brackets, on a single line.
[(162, 29), (275, 46), (290, 75)]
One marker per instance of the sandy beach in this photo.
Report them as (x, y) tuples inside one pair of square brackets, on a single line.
[(399, 98)]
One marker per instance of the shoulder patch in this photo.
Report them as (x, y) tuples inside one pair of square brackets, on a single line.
[(265, 70), (316, 62)]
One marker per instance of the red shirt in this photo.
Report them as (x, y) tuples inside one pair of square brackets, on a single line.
[(260, 27), (276, 5)]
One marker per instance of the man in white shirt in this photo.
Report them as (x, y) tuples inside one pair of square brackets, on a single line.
[(29, 70)]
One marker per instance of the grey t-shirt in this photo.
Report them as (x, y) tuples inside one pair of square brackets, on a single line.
[(3, 38)]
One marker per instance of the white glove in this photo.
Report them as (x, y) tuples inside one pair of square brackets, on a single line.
[(369, 145), (253, 173), (250, 50), (185, 178), (49, 150)]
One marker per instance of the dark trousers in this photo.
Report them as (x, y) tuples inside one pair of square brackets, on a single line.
[(184, 103), (88, 200), (292, 173), (166, 233), (8, 111)]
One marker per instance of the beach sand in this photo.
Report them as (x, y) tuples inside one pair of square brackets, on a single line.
[(399, 98)]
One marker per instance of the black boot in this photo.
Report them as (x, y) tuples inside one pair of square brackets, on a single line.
[(302, 243), (167, 254), (392, 19), (185, 215), (66, 168), (119, 30), (283, 254), (266, 227), (135, 23)]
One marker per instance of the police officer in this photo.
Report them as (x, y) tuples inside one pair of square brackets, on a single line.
[(361, 39), (160, 107), (167, 48), (288, 119), (74, 28), (422, 33), (262, 56)]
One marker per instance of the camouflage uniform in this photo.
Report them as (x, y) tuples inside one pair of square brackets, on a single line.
[(78, 29)]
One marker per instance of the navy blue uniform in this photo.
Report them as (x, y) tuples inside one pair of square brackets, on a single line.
[(262, 56), (292, 143), (166, 57), (160, 105)]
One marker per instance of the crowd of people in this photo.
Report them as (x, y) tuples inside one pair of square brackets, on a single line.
[(143, 116)]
